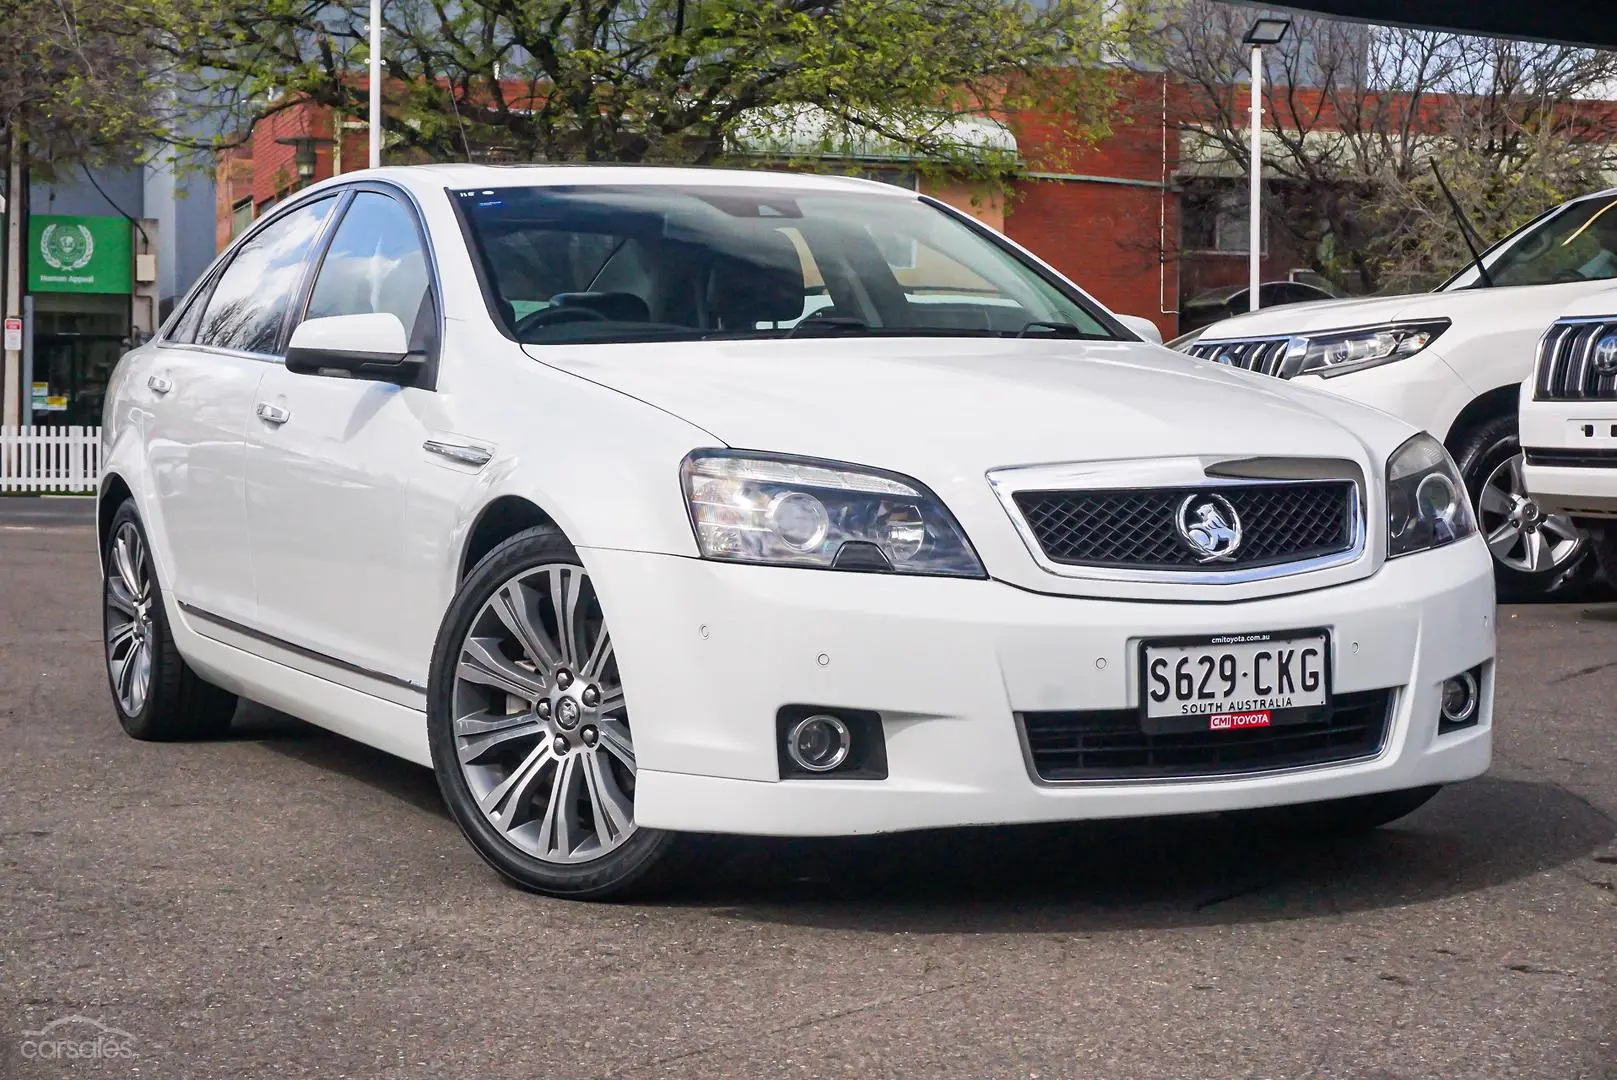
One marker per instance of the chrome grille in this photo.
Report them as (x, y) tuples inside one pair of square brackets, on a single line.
[(1136, 528), (1567, 370), (1266, 356)]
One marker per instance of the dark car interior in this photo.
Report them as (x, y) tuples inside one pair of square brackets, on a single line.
[(587, 265)]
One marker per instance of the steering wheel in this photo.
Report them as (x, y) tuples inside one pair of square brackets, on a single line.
[(556, 316)]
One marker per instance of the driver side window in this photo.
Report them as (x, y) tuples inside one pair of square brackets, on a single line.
[(376, 264)]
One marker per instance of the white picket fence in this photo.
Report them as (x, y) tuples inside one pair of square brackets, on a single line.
[(64, 459)]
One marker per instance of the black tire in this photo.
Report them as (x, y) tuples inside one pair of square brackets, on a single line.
[(1346, 817), (178, 703), (642, 862), (1478, 453)]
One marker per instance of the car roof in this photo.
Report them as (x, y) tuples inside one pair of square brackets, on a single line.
[(426, 178)]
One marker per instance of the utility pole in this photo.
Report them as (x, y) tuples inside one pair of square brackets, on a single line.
[(1265, 31), (16, 211), (376, 86)]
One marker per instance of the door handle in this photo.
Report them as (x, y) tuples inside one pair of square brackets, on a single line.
[(159, 384), (273, 414)]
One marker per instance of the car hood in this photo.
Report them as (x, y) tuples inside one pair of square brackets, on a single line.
[(927, 406), (947, 411), (1531, 307)]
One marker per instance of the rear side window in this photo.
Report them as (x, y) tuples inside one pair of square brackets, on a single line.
[(375, 264), (250, 302), (185, 327)]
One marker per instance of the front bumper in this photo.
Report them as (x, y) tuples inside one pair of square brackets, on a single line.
[(709, 652), (1571, 431)]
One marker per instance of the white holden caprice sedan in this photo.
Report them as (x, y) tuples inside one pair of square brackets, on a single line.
[(638, 502)]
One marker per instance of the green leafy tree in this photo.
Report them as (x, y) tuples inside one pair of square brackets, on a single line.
[(688, 81), (1355, 116), (78, 82)]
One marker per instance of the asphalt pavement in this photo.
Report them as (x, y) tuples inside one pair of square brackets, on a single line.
[(286, 903)]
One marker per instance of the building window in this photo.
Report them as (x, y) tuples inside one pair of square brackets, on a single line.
[(241, 216), (1215, 219)]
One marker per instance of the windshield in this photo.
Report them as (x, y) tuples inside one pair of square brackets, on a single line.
[(655, 263), (1577, 242)]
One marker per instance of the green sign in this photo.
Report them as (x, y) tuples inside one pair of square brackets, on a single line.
[(79, 254)]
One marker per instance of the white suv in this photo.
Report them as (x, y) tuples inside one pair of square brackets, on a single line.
[(1452, 362), (540, 477), (1569, 424)]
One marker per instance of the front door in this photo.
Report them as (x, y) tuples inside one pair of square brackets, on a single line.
[(199, 397), (330, 463)]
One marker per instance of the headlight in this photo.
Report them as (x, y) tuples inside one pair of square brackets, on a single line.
[(799, 512), (1427, 506), (1354, 350)]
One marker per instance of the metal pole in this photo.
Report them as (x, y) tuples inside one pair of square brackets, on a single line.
[(1255, 203), (28, 360), (16, 209), (376, 85)]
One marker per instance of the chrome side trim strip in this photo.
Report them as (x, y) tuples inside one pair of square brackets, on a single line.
[(464, 453), (301, 650)]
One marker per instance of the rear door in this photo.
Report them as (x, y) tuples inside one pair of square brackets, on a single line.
[(199, 398)]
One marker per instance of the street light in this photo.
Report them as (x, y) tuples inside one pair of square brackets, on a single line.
[(304, 148), (1265, 31)]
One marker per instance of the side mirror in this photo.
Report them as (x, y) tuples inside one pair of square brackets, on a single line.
[(1142, 326), (372, 346)]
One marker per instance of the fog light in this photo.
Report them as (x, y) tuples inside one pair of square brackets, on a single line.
[(1459, 705), (818, 743)]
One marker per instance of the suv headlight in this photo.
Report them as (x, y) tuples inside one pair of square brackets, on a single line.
[(1427, 506), (790, 511), (1338, 353)]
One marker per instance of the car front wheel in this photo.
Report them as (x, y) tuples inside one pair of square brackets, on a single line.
[(531, 739)]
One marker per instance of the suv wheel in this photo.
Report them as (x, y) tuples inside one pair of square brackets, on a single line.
[(1533, 552)]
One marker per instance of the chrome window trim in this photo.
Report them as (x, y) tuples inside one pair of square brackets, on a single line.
[(1175, 472), (214, 350), (209, 278)]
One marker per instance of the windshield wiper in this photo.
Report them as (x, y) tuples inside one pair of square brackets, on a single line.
[(1062, 329), (830, 324), (1465, 228)]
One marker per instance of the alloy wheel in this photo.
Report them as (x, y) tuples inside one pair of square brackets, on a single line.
[(131, 635), (540, 730), (1520, 535)]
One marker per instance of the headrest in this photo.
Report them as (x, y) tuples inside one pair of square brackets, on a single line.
[(761, 282)]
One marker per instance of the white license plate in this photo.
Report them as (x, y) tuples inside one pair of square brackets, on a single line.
[(1235, 681)]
